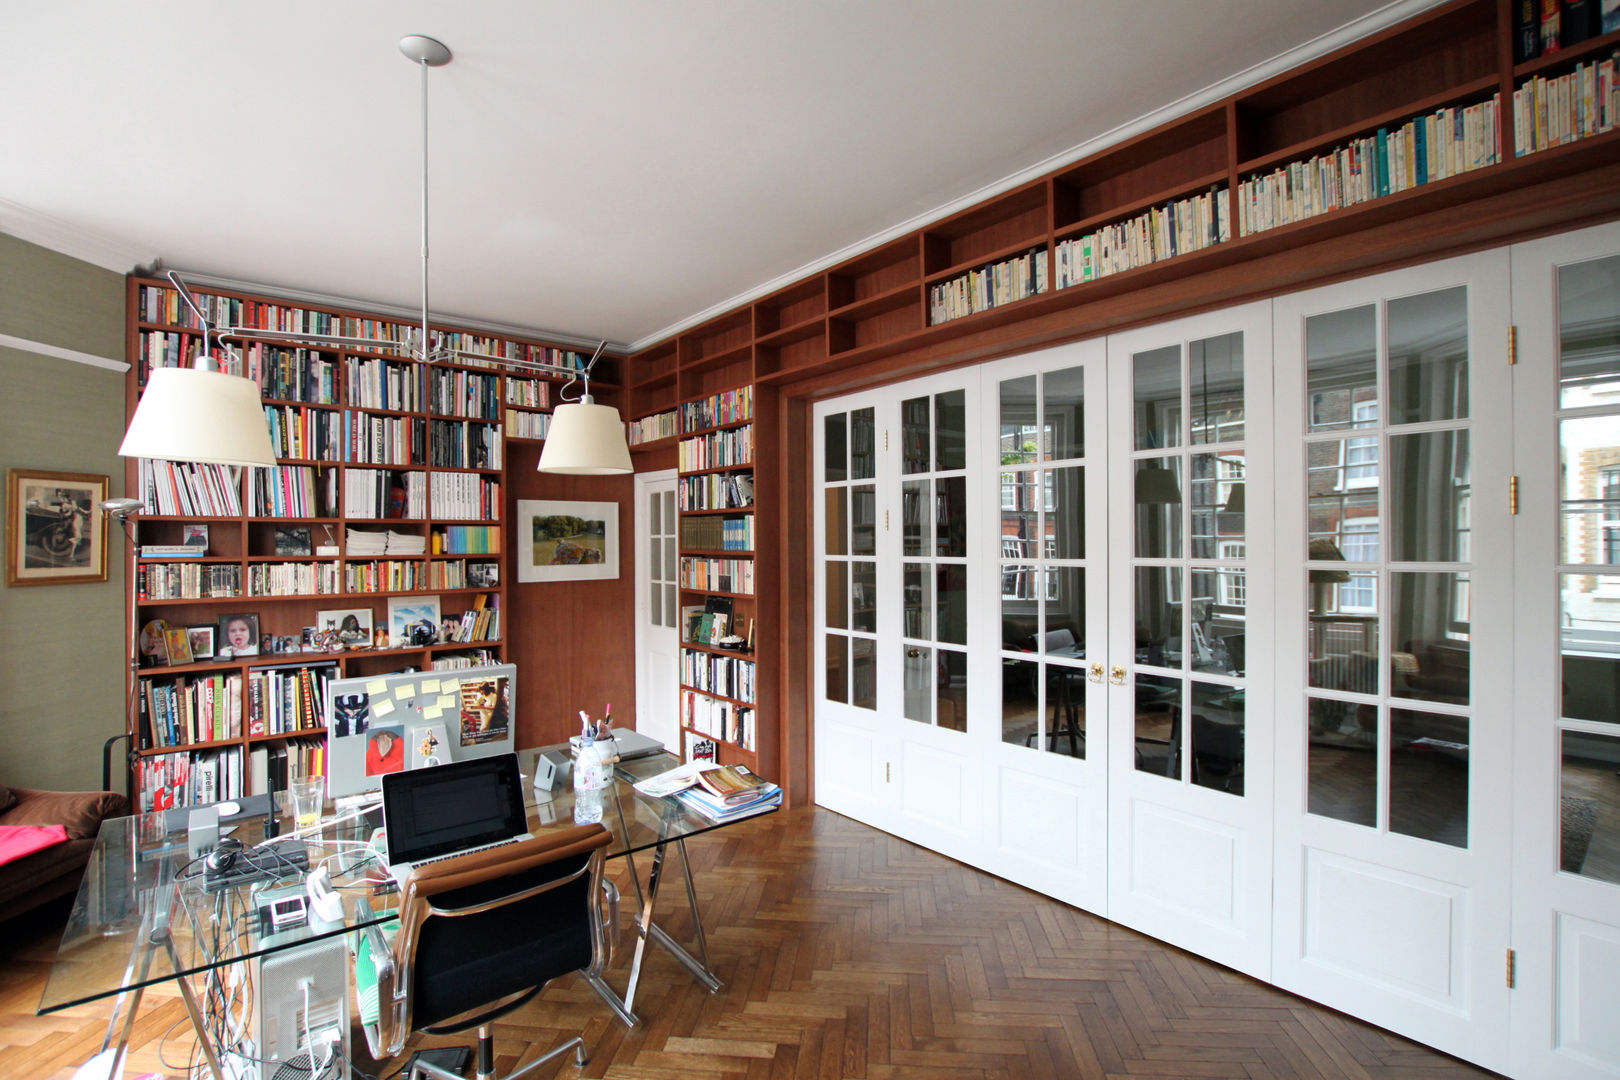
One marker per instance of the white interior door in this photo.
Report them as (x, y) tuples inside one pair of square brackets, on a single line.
[(1189, 658), (1566, 867), (657, 610), (1395, 651)]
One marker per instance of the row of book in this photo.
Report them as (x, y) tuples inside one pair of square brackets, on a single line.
[(165, 781), (178, 488), (1436, 146), (718, 533), (1541, 27), (463, 574), (726, 407), (187, 581), (529, 393), (452, 392), (718, 575), (292, 579), (375, 383), (717, 449), (481, 622), (715, 491), (461, 444), (467, 540), (466, 496), (724, 675), (178, 349), (390, 575), (527, 425), (1578, 105), (651, 428), (297, 431), (382, 493), (1160, 232), (294, 491), (718, 719), (286, 699), (709, 624), (384, 440), (462, 661), (285, 374), (993, 285), (272, 768), (182, 711), (503, 348)]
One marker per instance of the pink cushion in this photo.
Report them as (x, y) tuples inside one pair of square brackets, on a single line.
[(17, 841)]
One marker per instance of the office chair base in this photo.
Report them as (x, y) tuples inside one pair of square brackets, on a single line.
[(486, 1060)]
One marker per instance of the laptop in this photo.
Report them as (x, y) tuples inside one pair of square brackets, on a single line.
[(630, 745), (447, 810)]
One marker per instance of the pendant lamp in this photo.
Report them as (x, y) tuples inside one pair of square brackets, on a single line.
[(585, 439)]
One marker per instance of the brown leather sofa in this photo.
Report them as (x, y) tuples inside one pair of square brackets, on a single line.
[(57, 871)]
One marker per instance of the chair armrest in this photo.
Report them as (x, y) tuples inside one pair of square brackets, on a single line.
[(386, 1036), (607, 914)]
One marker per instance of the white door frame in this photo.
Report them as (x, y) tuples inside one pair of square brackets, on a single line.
[(652, 701)]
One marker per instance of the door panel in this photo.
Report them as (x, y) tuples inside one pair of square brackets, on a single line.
[(657, 610)]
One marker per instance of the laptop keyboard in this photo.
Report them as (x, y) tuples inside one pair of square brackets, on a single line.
[(459, 854)]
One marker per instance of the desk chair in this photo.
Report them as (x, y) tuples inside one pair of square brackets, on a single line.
[(481, 934)]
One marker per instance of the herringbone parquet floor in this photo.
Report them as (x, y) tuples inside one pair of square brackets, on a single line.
[(850, 954)]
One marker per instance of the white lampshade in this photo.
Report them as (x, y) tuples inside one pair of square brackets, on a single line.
[(585, 439), (187, 414)]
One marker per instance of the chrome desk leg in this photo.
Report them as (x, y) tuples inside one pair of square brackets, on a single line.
[(644, 925), (197, 1022), (700, 970)]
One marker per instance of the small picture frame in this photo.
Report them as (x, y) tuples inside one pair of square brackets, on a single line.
[(353, 626), (483, 575), (202, 641), (413, 621), (179, 643), (194, 536), (154, 644), (293, 540), (238, 636)]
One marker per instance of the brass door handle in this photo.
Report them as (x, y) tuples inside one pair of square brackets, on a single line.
[(1117, 675), (1096, 675)]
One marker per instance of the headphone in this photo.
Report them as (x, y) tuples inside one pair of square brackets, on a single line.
[(223, 857)]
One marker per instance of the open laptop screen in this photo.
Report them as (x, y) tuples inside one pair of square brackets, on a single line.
[(449, 808)]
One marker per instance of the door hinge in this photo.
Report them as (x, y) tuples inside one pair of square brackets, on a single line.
[(1513, 495), (885, 438), (885, 521), (886, 767), (1513, 345), (1512, 975)]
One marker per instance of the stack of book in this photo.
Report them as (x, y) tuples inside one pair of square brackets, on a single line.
[(717, 792)]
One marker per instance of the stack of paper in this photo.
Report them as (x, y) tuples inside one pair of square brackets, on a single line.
[(364, 543)]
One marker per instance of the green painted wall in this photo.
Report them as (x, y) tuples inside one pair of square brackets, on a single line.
[(61, 666)]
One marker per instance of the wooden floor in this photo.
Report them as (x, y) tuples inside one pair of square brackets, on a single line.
[(847, 954)]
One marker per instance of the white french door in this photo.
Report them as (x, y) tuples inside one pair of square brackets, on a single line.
[(1189, 657), (1395, 659), (657, 610), (1566, 866)]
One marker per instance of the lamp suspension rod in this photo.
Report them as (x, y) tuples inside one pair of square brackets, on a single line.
[(205, 361), (423, 64)]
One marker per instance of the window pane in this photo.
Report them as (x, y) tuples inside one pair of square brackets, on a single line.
[(951, 597), (1218, 737), (1428, 356), (1020, 708), (654, 516), (1158, 508), (1020, 590), (919, 601), (1066, 512), (670, 612), (1019, 435), (1215, 399), (837, 521), (1217, 612), (1341, 368), (952, 698), (1428, 776), (837, 668), (950, 430), (671, 567), (1065, 633), (1219, 499), (1429, 627), (655, 606), (1343, 762), (951, 513), (655, 558), (863, 596), (916, 513), (1590, 495), (1344, 631), (1064, 400), (669, 511), (1342, 481), (1589, 331), (862, 444), (1589, 646), (919, 683), (863, 673), (863, 505), (837, 595), (1157, 380), (1158, 616), (1428, 497), (1591, 792), (1020, 514), (1158, 709), (914, 449), (835, 454), (1066, 710)]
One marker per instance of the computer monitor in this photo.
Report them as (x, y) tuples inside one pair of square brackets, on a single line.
[(379, 724)]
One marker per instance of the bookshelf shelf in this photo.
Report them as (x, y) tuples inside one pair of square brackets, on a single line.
[(1158, 198), (1595, 48)]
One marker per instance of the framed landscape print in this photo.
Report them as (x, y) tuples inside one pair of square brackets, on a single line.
[(567, 541), (55, 531)]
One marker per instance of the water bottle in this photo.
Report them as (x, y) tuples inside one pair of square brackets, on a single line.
[(588, 784)]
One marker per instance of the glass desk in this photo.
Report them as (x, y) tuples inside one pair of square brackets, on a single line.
[(146, 912)]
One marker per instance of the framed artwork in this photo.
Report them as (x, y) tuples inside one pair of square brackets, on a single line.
[(352, 625), (179, 642), (238, 636), (202, 642), (154, 644), (194, 536), (55, 533), (293, 540), (567, 541), (413, 621)]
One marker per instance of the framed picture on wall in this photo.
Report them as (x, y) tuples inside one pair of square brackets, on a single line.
[(55, 531), (567, 541)]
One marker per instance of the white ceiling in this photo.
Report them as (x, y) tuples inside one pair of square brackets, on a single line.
[(602, 170)]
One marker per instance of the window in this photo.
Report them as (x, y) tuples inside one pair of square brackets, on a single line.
[(1361, 455), (1359, 542)]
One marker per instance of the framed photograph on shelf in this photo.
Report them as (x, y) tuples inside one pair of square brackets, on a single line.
[(55, 532), (202, 642), (352, 625), (194, 536), (567, 541), (293, 540), (154, 644), (238, 636), (179, 645), (413, 621)]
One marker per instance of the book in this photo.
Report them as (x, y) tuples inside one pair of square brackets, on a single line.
[(732, 784), (698, 799), (674, 780)]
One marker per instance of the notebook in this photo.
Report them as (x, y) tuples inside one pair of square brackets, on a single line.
[(630, 744), (448, 810)]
